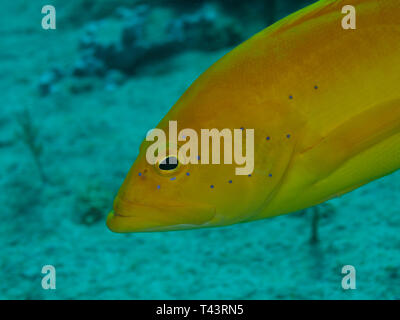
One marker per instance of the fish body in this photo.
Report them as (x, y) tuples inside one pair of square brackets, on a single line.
[(324, 104)]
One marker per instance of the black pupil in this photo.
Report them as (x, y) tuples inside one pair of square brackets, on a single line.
[(169, 163)]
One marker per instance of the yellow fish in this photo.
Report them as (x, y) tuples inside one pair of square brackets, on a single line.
[(324, 103)]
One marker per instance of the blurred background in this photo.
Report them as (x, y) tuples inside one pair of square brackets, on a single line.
[(76, 102)]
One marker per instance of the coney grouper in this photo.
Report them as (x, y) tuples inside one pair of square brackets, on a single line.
[(323, 102)]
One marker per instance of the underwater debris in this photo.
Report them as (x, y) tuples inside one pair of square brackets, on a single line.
[(81, 86), (88, 64), (29, 135), (317, 213), (205, 29), (199, 25), (5, 143), (28, 205), (91, 204), (48, 80), (98, 55), (314, 226), (114, 78), (92, 9)]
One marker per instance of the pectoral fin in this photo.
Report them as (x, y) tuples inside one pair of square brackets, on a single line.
[(363, 148), (356, 135)]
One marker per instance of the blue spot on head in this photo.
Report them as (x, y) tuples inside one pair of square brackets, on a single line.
[(140, 174), (290, 97), (270, 175), (198, 157), (187, 173), (212, 186), (173, 178), (288, 136), (249, 175), (316, 87), (268, 138), (230, 181), (158, 187)]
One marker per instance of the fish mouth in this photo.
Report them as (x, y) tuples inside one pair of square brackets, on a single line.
[(136, 217)]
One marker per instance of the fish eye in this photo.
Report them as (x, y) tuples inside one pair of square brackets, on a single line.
[(168, 164)]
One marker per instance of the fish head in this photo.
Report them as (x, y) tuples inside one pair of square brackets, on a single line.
[(157, 197), (169, 195)]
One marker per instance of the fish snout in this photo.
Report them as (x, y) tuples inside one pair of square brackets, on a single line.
[(138, 217)]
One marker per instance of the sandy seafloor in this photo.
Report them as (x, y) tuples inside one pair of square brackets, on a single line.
[(89, 142)]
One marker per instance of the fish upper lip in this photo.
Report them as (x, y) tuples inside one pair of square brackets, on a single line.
[(140, 204), (117, 214), (120, 205), (156, 207)]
